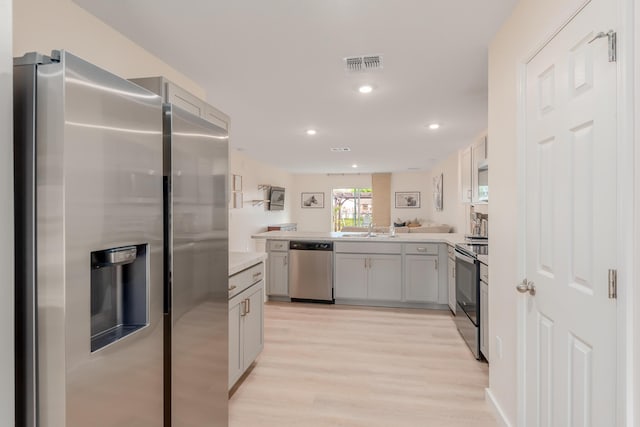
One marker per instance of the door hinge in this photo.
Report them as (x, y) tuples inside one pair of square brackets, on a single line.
[(613, 284), (612, 38)]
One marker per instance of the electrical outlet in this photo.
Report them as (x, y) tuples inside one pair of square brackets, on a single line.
[(499, 347)]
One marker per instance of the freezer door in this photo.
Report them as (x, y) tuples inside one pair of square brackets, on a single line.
[(199, 276), (99, 248)]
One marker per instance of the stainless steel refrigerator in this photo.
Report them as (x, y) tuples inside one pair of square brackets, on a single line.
[(89, 246), (196, 214)]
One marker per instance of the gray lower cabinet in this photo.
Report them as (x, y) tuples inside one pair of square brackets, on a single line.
[(246, 326), (351, 276), (278, 268), (368, 276), (451, 279), (362, 271), (385, 277), (484, 311), (421, 278)]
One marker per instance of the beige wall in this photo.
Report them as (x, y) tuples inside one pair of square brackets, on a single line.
[(412, 181), (532, 22), (320, 219), (6, 218), (453, 212), (381, 204), (61, 24), (252, 219)]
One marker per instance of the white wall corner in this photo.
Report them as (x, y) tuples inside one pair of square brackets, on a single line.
[(500, 415)]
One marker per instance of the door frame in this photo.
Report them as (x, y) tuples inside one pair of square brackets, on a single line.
[(628, 337)]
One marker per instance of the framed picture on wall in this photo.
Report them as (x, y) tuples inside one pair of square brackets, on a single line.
[(312, 200), (437, 192), (408, 199)]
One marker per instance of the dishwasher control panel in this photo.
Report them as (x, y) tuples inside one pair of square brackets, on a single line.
[(311, 246)]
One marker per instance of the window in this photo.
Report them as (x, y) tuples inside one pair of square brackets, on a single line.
[(351, 207)]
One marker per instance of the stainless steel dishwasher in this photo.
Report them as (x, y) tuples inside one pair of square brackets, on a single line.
[(311, 271)]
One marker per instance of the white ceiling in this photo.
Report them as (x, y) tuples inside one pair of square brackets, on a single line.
[(275, 66)]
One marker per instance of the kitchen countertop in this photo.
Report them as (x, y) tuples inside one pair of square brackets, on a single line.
[(239, 261), (450, 238)]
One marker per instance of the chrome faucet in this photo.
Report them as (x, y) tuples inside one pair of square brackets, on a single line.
[(370, 231)]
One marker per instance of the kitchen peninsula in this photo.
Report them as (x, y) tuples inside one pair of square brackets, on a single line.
[(405, 270)]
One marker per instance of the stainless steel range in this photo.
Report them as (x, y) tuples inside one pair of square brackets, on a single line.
[(468, 293)]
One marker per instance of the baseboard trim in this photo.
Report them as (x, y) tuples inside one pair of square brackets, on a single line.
[(497, 410)]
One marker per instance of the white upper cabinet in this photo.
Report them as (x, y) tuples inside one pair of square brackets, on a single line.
[(473, 166), (466, 183)]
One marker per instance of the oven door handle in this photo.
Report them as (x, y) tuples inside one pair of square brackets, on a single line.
[(465, 258)]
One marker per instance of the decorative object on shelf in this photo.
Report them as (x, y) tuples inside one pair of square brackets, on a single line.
[(237, 182), (437, 192), (237, 200), (408, 199), (312, 200)]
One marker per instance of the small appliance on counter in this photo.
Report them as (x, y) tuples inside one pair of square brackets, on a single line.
[(478, 225)]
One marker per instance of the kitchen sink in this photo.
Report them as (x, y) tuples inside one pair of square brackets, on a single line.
[(366, 236)]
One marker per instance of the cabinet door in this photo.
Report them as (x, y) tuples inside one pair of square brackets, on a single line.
[(252, 334), (235, 350), (478, 156), (452, 285), (484, 320), (185, 100), (421, 278), (278, 273), (350, 275), (465, 175), (385, 277)]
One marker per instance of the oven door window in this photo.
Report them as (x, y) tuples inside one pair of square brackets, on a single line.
[(467, 288)]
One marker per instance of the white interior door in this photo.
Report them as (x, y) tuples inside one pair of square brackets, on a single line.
[(570, 354)]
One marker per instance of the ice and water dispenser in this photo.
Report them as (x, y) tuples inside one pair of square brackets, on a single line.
[(119, 297)]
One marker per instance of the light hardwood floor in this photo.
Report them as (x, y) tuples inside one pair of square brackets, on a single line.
[(328, 365)]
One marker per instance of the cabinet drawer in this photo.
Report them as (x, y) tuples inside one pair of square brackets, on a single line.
[(367, 248), (421, 248), (278, 245), (484, 273), (242, 280)]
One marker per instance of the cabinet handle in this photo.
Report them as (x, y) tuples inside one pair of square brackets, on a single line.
[(248, 305), (421, 249), (232, 287), (256, 275), (436, 264), (284, 260), (243, 308), (365, 263)]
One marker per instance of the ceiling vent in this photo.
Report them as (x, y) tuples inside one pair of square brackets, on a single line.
[(355, 64), (340, 149)]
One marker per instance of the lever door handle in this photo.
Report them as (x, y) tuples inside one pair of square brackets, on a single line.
[(526, 286)]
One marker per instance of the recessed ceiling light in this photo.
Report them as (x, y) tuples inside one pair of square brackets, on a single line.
[(365, 89), (354, 166), (311, 132), (434, 126)]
